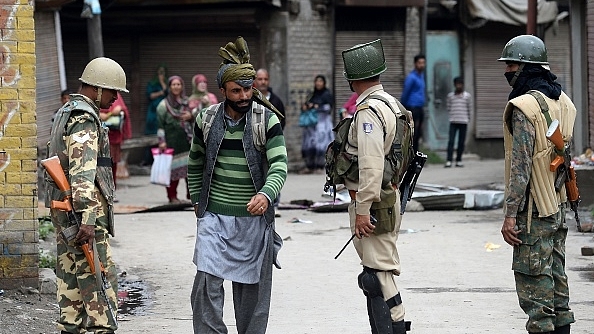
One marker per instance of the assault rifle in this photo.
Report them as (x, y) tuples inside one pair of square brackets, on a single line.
[(565, 171), (54, 169), (409, 180)]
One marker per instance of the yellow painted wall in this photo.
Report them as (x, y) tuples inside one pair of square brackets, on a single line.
[(19, 234)]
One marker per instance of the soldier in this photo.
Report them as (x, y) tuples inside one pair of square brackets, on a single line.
[(534, 221), (370, 136), (82, 145)]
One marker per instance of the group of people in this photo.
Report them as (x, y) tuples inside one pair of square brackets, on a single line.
[(239, 144), (171, 115)]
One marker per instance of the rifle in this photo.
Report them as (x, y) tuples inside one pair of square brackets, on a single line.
[(409, 180), (565, 171), (372, 220), (54, 169)]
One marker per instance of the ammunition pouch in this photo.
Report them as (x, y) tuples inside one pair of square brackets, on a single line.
[(68, 234), (384, 212)]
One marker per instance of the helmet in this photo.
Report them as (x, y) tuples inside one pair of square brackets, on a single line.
[(525, 49), (105, 73), (364, 61)]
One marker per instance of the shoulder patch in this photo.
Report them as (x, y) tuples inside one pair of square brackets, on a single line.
[(367, 127)]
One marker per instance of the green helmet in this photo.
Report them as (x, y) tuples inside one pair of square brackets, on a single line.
[(525, 49), (364, 61), (105, 73)]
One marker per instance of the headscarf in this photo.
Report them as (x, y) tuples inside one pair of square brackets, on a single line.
[(323, 95), (197, 94), (177, 105), (236, 67), (535, 77), (155, 78)]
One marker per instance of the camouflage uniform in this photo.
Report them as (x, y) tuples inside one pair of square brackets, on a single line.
[(82, 145), (539, 262)]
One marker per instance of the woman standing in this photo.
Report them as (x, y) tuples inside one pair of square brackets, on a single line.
[(156, 90), (175, 131), (117, 132), (317, 137), (200, 97)]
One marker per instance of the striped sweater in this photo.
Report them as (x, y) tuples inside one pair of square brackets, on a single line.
[(459, 107), (231, 185)]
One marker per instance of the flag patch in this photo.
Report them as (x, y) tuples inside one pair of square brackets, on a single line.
[(367, 127)]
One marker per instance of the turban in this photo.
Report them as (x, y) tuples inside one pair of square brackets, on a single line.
[(236, 67)]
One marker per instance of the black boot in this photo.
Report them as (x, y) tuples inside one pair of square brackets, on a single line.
[(400, 327), (562, 330)]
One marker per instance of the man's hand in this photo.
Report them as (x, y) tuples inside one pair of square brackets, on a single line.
[(363, 226), (258, 205), (86, 234), (196, 209), (509, 231)]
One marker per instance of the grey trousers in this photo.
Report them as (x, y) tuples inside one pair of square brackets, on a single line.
[(251, 302)]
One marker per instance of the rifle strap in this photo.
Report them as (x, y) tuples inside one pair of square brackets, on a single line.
[(544, 107)]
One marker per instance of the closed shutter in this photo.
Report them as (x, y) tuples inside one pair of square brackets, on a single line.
[(388, 25), (491, 88), (590, 34), (47, 90), (184, 53), (558, 42), (393, 44)]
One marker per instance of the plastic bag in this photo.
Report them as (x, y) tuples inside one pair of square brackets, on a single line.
[(161, 169)]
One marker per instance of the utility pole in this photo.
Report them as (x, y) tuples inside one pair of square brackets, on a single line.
[(95, 36), (531, 18), (92, 12)]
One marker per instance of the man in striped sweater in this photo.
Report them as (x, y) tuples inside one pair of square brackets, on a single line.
[(459, 104), (232, 185)]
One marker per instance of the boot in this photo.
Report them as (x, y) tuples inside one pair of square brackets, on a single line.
[(562, 330), (400, 327)]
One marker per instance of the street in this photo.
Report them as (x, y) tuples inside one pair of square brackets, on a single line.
[(456, 268)]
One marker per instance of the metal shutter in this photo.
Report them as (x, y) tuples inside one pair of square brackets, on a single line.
[(558, 42), (184, 53), (590, 52), (47, 91), (491, 88), (393, 44)]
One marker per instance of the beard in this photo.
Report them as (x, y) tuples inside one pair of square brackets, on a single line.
[(235, 105)]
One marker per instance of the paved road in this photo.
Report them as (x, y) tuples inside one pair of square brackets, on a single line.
[(450, 282)]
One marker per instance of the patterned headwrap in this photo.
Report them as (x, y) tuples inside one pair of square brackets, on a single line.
[(236, 67)]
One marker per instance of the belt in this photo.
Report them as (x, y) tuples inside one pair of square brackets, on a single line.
[(353, 194)]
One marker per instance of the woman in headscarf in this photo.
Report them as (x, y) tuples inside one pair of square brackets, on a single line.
[(156, 90), (175, 131), (317, 137), (200, 97)]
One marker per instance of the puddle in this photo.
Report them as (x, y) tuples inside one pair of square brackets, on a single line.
[(133, 298)]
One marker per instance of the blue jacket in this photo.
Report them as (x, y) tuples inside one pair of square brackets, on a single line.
[(413, 94)]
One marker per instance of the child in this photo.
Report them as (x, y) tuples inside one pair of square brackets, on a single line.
[(459, 104)]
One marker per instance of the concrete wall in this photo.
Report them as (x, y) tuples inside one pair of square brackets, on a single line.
[(19, 234), (310, 51)]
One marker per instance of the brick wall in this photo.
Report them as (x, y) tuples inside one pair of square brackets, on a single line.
[(18, 147), (310, 52)]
